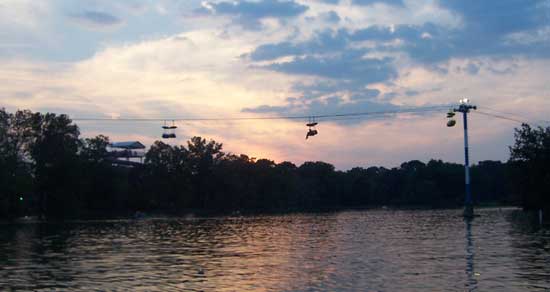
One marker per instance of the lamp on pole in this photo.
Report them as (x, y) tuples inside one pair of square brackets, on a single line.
[(464, 108)]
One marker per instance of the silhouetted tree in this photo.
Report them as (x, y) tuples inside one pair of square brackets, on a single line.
[(531, 156), (203, 157), (61, 176), (168, 176), (15, 176), (53, 149)]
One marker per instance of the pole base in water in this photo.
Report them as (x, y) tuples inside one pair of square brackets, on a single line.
[(469, 212)]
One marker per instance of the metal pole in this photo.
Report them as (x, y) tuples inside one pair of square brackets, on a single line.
[(468, 204), (465, 108)]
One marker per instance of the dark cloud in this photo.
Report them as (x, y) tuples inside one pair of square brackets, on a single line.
[(405, 32), (412, 92), (266, 109), (347, 66), (330, 1), (390, 95), (366, 94), (489, 29), (97, 18), (431, 44), (330, 105), (248, 13), (371, 2), (321, 43), (331, 16), (503, 70), (327, 55), (265, 8), (343, 70), (336, 104), (500, 17), (425, 43), (472, 68), (274, 51), (328, 86), (486, 31)]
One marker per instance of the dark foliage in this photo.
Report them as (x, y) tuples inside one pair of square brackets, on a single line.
[(530, 160), (47, 170)]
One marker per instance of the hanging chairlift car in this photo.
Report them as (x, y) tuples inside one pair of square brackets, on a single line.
[(311, 131), (451, 122), (169, 131)]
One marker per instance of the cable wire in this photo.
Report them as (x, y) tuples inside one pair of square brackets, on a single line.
[(500, 117), (301, 117), (515, 115)]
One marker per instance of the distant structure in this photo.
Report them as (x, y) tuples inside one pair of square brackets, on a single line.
[(128, 153)]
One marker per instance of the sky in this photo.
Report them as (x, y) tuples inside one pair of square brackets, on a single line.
[(254, 58)]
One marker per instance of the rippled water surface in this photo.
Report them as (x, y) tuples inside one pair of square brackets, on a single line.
[(374, 250)]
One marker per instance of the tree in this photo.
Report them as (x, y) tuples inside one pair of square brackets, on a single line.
[(8, 166), (203, 157), (95, 149), (42, 157), (531, 155), (167, 179), (319, 184), (53, 146), (15, 174)]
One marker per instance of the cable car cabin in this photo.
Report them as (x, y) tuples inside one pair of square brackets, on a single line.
[(169, 131), (168, 136), (311, 131)]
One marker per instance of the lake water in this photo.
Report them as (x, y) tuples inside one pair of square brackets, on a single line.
[(373, 250)]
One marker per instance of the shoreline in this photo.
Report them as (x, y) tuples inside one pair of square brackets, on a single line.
[(205, 214)]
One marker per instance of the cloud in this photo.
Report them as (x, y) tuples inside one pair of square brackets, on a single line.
[(330, 105), (412, 92), (339, 71), (331, 16), (348, 66), (478, 36), (481, 33), (24, 14), (472, 68), (321, 43), (248, 13), (382, 55), (502, 17), (97, 19), (334, 2), (326, 87), (327, 54), (344, 61), (487, 29), (371, 2)]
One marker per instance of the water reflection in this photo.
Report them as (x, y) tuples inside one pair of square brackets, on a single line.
[(533, 245), (471, 284), (376, 250)]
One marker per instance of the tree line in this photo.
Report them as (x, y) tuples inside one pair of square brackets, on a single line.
[(48, 170)]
